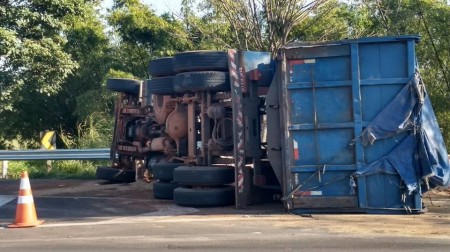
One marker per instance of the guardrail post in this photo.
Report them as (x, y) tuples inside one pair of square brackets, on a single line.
[(4, 168)]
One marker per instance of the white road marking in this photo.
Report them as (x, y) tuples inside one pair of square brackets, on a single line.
[(5, 199)]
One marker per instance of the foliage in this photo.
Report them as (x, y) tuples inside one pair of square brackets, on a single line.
[(142, 36), (208, 30), (31, 46), (95, 132), (137, 24), (67, 169), (19, 143), (35, 66), (333, 21), (264, 25)]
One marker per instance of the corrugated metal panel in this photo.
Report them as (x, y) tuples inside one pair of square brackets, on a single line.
[(332, 91)]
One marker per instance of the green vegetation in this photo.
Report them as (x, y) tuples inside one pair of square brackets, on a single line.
[(55, 56), (66, 169)]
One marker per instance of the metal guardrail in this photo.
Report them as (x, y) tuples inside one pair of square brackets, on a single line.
[(67, 154)]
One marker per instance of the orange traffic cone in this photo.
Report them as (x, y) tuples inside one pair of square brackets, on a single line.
[(25, 211)]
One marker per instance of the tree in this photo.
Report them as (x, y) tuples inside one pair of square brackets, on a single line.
[(142, 36), (31, 44), (334, 20), (206, 28), (86, 102), (264, 25), (33, 63)]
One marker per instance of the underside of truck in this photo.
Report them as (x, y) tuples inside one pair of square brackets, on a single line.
[(178, 130)]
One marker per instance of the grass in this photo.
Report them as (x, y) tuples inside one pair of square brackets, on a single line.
[(66, 169)]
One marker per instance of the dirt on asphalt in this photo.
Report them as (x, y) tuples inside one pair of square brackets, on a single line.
[(434, 223)]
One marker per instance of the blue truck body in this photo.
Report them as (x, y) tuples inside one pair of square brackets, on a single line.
[(358, 132)]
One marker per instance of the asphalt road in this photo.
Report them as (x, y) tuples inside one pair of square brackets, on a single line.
[(93, 217), (191, 234), (188, 236)]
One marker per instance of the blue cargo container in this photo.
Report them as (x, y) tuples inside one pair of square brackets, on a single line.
[(357, 130)]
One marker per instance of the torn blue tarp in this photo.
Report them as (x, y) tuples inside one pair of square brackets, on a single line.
[(422, 154)]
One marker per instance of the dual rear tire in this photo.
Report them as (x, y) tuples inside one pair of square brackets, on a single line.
[(204, 197), (204, 186), (164, 185)]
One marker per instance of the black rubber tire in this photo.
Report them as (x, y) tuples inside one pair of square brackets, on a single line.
[(161, 67), (128, 86), (160, 86), (203, 175), (202, 81), (164, 171), (200, 61), (163, 190), (204, 197), (115, 175)]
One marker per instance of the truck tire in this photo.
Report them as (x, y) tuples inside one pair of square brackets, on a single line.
[(202, 81), (200, 61), (160, 86), (115, 175), (164, 171), (203, 175), (128, 86), (163, 190), (161, 67), (205, 197)]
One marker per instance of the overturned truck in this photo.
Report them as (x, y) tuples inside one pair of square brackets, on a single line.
[(342, 126)]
